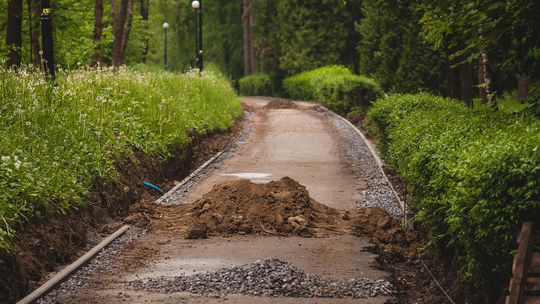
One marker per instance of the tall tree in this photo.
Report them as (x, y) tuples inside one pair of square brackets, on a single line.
[(34, 10), (97, 55), (392, 52), (252, 24), (144, 11), (14, 33), (122, 17), (312, 33), (478, 29), (247, 41), (223, 35)]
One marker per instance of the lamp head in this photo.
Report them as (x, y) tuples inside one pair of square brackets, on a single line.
[(195, 4), (165, 25)]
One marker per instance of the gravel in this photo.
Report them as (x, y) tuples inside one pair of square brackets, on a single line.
[(177, 197), (271, 277), (98, 264), (356, 153)]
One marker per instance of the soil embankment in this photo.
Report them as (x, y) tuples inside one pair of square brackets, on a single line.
[(43, 245)]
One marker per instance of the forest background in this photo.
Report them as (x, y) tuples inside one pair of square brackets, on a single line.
[(460, 49)]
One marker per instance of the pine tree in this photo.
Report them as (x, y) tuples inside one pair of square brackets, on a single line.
[(312, 33), (392, 51)]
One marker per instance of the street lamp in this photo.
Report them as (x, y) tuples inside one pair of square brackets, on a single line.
[(197, 4), (165, 28), (47, 39)]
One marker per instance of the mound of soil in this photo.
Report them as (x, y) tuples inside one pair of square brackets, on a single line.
[(386, 232), (281, 207), (281, 104)]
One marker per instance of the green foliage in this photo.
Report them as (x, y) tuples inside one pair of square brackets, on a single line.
[(295, 36), (473, 176), (335, 86), (256, 85), (392, 52), (311, 33), (223, 36), (57, 140), (534, 99), (506, 30)]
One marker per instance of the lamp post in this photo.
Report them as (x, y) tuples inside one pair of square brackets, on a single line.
[(47, 39), (165, 28), (197, 5)]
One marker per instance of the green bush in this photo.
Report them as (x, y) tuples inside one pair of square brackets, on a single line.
[(335, 86), (255, 85), (473, 176), (57, 140), (534, 99)]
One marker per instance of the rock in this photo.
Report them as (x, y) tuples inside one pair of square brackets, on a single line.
[(299, 222), (217, 218), (199, 231), (383, 222)]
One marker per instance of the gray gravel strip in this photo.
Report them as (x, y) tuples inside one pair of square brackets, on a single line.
[(271, 277), (357, 155), (177, 197), (100, 263)]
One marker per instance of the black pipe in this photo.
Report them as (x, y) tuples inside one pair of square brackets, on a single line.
[(200, 55), (165, 51), (47, 39)]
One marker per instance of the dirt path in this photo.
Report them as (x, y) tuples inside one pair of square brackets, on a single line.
[(297, 143)]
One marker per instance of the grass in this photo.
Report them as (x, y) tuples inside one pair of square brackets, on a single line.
[(57, 140), (507, 103)]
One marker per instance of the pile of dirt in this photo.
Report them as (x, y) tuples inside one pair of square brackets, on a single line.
[(281, 104), (386, 232), (281, 207)]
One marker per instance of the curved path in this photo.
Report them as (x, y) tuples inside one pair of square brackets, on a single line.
[(299, 143)]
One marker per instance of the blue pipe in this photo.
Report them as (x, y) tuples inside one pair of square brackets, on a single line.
[(151, 186)]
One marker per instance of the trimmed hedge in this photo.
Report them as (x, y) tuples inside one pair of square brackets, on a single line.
[(255, 85), (335, 86), (473, 176)]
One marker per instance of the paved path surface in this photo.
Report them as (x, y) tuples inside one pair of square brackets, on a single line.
[(283, 142), (289, 142)]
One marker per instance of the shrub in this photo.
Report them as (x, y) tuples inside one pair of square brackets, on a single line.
[(335, 86), (255, 85), (473, 176), (57, 140)]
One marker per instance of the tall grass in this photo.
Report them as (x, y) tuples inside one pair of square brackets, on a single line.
[(56, 140)]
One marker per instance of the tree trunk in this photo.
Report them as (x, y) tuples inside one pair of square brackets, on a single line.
[(145, 13), (34, 13), (246, 38), (127, 29), (252, 22), (481, 87), (465, 82), (14, 33), (523, 87), (451, 87), (121, 21), (487, 80), (97, 56)]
